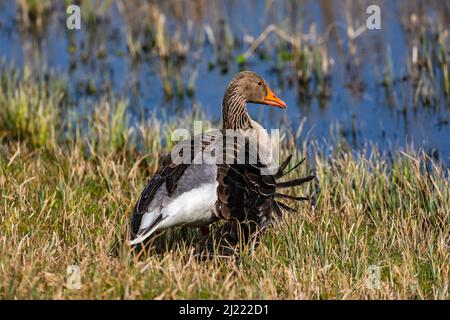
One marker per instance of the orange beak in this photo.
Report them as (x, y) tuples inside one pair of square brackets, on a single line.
[(273, 100)]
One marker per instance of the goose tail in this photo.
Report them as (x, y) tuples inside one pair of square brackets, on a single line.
[(146, 232)]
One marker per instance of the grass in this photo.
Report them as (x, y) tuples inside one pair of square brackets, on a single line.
[(67, 198), (28, 110)]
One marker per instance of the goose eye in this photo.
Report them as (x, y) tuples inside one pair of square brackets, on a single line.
[(259, 83)]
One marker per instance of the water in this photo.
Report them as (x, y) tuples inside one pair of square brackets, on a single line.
[(95, 60)]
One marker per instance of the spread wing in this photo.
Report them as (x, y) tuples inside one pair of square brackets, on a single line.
[(249, 192)]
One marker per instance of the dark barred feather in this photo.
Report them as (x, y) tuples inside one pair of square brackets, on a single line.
[(246, 193)]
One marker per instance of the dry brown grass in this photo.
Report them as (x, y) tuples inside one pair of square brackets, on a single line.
[(61, 208)]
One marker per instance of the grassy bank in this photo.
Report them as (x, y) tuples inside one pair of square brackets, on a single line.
[(68, 188)]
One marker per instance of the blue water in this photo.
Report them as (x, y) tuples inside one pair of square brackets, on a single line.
[(371, 114)]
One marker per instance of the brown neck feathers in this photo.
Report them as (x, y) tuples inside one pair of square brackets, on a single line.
[(234, 110)]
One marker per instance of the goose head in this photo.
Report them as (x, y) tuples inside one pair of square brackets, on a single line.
[(254, 89), (246, 87)]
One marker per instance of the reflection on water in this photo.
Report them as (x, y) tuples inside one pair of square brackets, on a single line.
[(389, 86)]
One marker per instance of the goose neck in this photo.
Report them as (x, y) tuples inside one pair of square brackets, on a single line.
[(234, 111)]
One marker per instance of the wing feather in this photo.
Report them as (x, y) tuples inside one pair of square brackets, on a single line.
[(246, 193)]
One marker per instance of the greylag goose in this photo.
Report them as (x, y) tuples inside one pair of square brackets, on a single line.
[(197, 195)]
